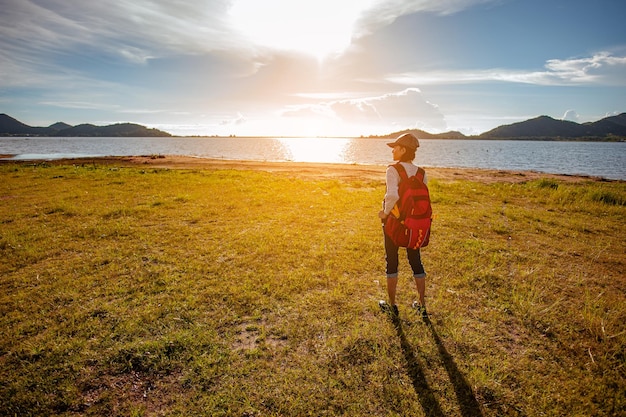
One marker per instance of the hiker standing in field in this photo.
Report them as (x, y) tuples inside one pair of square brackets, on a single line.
[(403, 152)]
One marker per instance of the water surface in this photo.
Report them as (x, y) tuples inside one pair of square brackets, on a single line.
[(600, 159)]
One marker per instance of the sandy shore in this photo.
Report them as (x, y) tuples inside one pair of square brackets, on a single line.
[(312, 170)]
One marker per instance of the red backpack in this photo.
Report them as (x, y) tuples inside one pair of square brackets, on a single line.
[(408, 224)]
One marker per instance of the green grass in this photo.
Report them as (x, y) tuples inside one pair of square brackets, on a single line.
[(137, 292)]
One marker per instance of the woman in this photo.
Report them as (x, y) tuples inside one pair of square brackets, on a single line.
[(404, 152)]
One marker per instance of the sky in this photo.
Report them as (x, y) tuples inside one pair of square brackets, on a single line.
[(311, 68)]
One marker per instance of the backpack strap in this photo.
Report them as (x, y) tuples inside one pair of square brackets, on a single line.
[(420, 174), (403, 175)]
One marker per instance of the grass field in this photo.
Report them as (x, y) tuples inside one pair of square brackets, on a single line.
[(147, 292)]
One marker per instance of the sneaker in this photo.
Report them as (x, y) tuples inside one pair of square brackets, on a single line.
[(386, 308), (419, 309)]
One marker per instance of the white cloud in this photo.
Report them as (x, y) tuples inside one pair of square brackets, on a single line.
[(571, 115), (238, 120), (154, 26), (82, 105), (323, 27), (135, 55), (158, 27), (385, 12), (404, 109), (602, 68), (43, 37), (599, 69)]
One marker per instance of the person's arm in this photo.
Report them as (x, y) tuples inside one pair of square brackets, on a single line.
[(391, 195)]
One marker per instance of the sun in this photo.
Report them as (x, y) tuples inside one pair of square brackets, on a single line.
[(319, 28)]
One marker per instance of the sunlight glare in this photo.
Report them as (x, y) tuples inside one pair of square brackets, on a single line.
[(325, 150), (318, 28)]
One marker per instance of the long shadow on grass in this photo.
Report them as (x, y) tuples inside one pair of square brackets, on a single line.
[(424, 393), (465, 396), (464, 393)]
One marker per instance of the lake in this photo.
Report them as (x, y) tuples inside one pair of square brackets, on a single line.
[(601, 159)]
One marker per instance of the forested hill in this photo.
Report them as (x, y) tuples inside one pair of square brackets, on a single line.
[(12, 127), (547, 127), (542, 128)]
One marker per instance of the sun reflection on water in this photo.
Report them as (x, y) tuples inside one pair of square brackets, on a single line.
[(327, 150)]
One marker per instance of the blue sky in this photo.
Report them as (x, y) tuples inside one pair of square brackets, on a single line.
[(309, 68)]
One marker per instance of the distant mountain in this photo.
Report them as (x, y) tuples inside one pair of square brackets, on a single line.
[(421, 134), (540, 128), (545, 127), (12, 127), (120, 129), (59, 126), (614, 125)]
